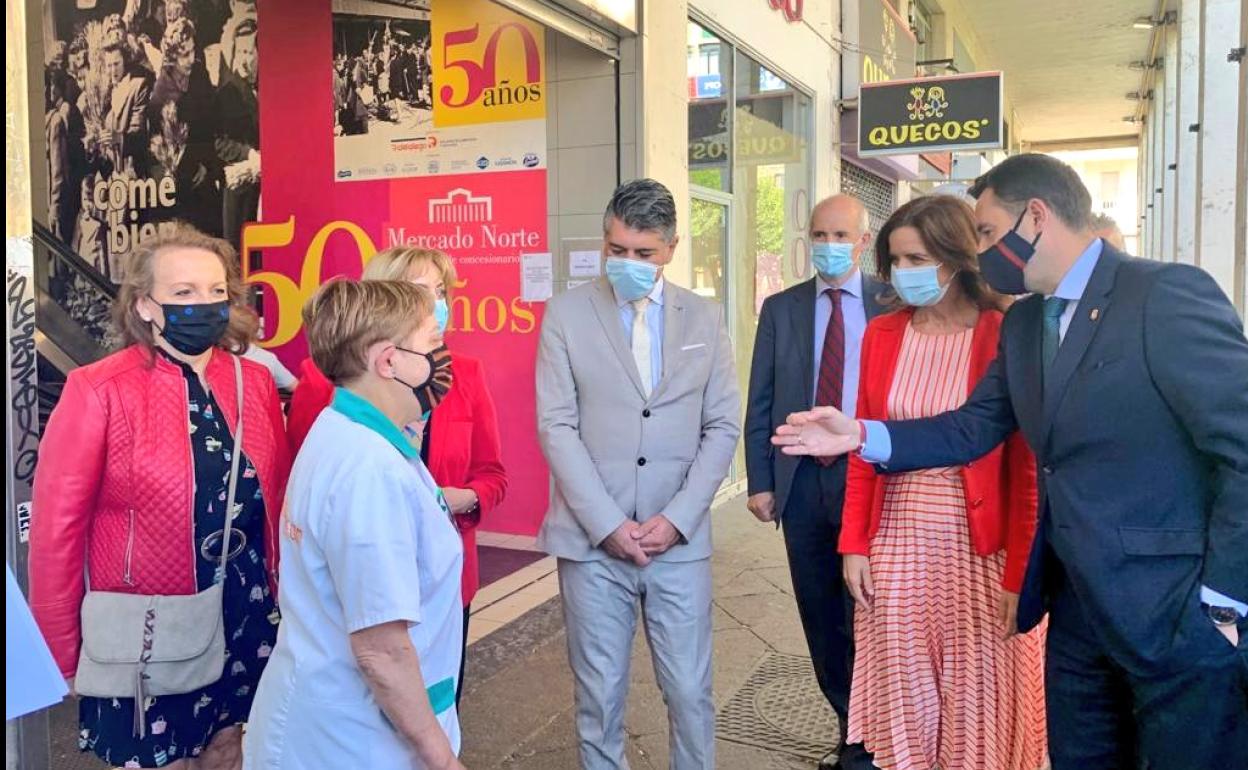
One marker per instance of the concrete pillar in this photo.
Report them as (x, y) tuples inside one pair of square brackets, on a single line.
[(1167, 104), (1141, 184), (26, 739), (1187, 200), (1240, 297), (1219, 127), (663, 120), (1156, 122)]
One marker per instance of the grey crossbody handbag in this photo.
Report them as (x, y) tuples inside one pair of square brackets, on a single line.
[(136, 646)]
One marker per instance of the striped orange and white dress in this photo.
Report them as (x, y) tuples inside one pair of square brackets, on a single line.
[(934, 683)]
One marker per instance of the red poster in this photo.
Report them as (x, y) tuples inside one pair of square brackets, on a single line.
[(314, 227)]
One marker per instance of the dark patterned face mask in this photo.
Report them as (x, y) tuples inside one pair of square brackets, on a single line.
[(192, 329), (1002, 264), (435, 387)]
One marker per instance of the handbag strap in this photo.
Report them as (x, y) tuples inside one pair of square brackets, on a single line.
[(234, 455)]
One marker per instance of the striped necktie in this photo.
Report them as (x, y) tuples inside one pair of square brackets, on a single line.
[(832, 361)]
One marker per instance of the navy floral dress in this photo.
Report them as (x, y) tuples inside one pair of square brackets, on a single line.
[(180, 726)]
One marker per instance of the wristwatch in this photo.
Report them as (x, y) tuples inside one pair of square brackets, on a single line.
[(1221, 616)]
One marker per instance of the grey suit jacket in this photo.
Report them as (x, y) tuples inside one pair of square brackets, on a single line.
[(617, 455)]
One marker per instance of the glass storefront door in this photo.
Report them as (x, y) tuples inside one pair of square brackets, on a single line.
[(710, 228)]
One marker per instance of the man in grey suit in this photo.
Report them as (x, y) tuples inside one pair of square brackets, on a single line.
[(806, 352), (638, 414)]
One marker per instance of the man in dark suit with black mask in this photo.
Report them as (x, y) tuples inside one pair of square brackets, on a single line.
[(1129, 380)]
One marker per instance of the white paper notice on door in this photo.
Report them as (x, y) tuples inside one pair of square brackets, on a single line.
[(537, 277), (584, 264)]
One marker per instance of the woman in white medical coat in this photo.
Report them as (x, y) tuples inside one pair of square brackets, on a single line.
[(363, 674)]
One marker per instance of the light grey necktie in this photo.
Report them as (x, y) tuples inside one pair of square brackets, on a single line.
[(641, 343)]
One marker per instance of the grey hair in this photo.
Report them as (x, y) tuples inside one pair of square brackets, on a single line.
[(645, 205)]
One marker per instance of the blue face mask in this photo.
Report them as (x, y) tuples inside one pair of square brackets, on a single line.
[(832, 260), (919, 286), (631, 278), (442, 313)]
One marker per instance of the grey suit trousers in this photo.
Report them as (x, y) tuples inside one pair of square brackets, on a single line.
[(600, 603)]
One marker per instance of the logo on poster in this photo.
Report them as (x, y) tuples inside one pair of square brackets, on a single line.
[(417, 144), (460, 205), (483, 163), (531, 160)]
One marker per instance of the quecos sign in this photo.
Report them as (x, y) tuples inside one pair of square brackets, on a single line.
[(959, 112), (488, 64)]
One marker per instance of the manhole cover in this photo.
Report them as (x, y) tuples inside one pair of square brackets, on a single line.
[(780, 708)]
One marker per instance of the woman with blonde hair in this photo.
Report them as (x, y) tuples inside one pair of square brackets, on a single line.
[(138, 468), (459, 442)]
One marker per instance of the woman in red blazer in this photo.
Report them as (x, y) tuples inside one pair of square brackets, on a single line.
[(934, 559), (460, 443), (129, 497)]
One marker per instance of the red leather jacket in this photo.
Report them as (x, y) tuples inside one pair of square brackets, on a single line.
[(1000, 486), (465, 451), (114, 486)]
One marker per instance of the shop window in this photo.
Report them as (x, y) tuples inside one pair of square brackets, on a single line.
[(921, 23), (710, 82), (750, 175), (771, 183)]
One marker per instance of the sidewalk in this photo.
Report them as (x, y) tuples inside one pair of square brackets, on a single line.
[(517, 707), (517, 710)]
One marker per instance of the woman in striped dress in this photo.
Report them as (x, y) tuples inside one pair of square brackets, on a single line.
[(935, 558)]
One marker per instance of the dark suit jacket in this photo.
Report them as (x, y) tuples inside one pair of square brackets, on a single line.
[(1141, 434), (781, 378)]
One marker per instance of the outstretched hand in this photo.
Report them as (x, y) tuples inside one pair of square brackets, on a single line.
[(822, 432)]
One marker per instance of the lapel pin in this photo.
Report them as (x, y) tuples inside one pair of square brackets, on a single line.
[(1095, 314)]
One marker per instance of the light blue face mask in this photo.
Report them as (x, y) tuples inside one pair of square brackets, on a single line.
[(919, 286), (631, 278), (442, 313), (832, 260)]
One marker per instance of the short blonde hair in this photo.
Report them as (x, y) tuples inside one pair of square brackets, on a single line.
[(137, 280), (398, 262), (346, 318)]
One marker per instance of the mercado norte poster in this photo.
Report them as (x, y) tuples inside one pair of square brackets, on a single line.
[(448, 87), (316, 226)]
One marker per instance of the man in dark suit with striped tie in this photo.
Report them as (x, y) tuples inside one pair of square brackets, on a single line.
[(806, 354)]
